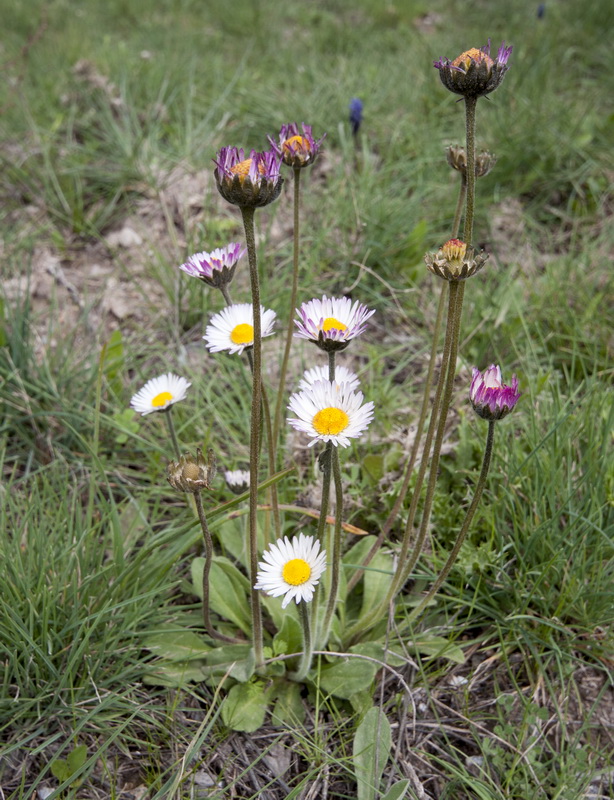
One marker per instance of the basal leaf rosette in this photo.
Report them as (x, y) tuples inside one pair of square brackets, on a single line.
[(297, 148), (331, 322), (490, 397), (216, 268), (474, 73), (454, 261), (330, 412), (249, 182)]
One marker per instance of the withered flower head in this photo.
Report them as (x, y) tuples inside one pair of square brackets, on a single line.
[(192, 474), (474, 73), (454, 261), (457, 159)]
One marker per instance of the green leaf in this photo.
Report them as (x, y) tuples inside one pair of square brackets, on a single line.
[(76, 758), (376, 582), (347, 676), (113, 361), (289, 638), (438, 647), (177, 645), (4, 339), (397, 791), (245, 707), (373, 465), (289, 708), (371, 750), (60, 769), (175, 674), (228, 590), (236, 660)]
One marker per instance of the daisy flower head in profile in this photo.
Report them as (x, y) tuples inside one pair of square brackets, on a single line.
[(329, 412), (237, 480), (490, 397), (342, 375), (331, 322), (297, 148), (216, 268), (232, 328), (291, 568), (251, 182), (160, 393)]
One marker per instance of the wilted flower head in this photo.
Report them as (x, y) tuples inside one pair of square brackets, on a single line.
[(160, 393), (457, 159), (490, 397), (191, 474), (355, 114), (332, 321), (217, 267), (237, 480), (474, 73), (297, 149), (253, 181), (330, 412), (454, 261), (292, 568)]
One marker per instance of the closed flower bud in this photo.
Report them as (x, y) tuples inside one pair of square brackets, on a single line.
[(192, 474), (490, 397), (474, 73), (454, 261)]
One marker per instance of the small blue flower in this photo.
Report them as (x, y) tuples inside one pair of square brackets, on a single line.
[(355, 114)]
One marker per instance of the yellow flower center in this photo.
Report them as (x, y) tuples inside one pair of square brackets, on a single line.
[(242, 334), (161, 399), (300, 142), (330, 323), (454, 250), (242, 168), (296, 572), (475, 55), (330, 421)]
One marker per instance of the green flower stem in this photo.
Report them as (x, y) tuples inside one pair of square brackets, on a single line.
[(465, 526), (206, 570), (470, 104), (326, 462), (272, 491), (284, 364), (226, 295), (171, 429), (457, 287), (248, 223), (397, 580), (307, 654), (462, 194), (334, 581), (426, 402)]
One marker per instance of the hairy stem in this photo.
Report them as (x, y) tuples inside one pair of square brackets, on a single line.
[(307, 654), (464, 528), (336, 560)]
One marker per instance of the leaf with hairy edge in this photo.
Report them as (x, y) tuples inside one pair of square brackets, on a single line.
[(371, 749), (228, 590), (245, 707)]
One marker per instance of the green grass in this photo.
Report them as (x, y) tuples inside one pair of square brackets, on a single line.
[(94, 545)]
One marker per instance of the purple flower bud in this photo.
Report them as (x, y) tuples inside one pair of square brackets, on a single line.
[(490, 397), (355, 114)]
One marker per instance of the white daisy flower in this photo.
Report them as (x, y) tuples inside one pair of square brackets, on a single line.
[(160, 393), (330, 413), (292, 568), (342, 375), (233, 328), (332, 321), (237, 480)]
